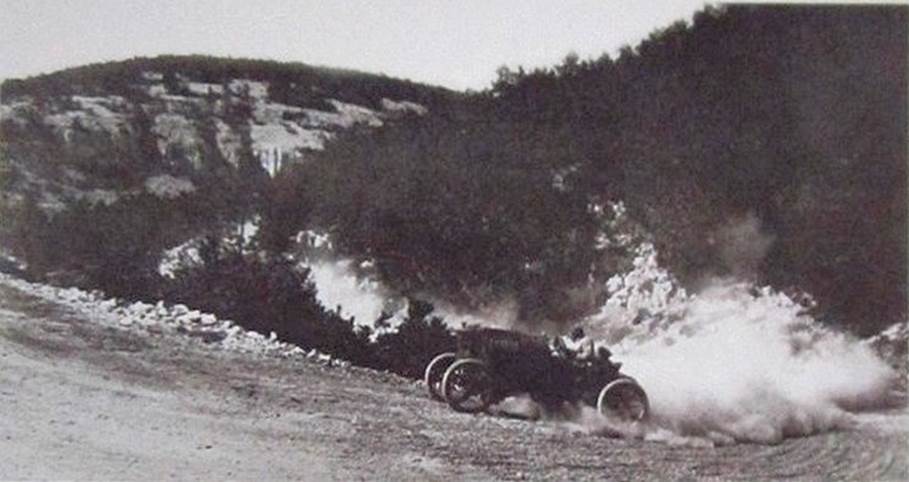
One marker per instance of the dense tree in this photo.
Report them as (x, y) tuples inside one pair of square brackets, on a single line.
[(467, 210)]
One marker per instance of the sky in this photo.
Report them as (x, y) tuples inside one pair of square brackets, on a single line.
[(457, 44)]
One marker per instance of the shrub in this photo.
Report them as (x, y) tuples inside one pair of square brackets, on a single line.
[(413, 345)]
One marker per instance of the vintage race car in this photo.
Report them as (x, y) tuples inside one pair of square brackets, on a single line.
[(491, 364)]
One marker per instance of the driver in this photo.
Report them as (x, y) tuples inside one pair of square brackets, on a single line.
[(575, 346)]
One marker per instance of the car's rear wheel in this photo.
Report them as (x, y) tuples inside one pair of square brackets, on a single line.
[(435, 371), (467, 386), (624, 399)]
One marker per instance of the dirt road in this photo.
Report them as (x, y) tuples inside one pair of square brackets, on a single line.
[(81, 400)]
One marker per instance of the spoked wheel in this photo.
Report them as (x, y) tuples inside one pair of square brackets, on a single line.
[(467, 386), (434, 373), (625, 399)]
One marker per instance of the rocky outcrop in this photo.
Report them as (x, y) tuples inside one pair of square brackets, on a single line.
[(71, 144)]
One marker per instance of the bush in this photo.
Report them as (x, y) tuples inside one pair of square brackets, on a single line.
[(266, 294), (415, 343)]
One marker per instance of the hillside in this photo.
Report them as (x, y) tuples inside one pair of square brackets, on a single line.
[(167, 124), (105, 166), (760, 144)]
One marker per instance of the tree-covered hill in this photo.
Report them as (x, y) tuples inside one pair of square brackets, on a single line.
[(289, 83), (762, 142), (105, 166)]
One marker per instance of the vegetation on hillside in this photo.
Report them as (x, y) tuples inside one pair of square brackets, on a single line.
[(290, 83), (791, 119)]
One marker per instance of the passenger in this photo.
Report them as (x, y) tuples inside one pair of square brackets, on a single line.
[(580, 345)]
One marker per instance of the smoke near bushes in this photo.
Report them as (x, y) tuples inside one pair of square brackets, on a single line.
[(354, 297), (365, 300), (734, 362), (742, 246)]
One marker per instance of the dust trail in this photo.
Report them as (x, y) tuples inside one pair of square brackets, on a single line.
[(735, 363)]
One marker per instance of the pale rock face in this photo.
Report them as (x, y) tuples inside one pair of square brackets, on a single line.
[(269, 112), (73, 175), (203, 88), (287, 137), (95, 114), (63, 123), (175, 129), (257, 90), (13, 112), (272, 160), (321, 118), (352, 114), (179, 257), (152, 76), (403, 106), (180, 104), (228, 142), (155, 90), (101, 196), (168, 187), (280, 133), (344, 117), (186, 255), (101, 106), (314, 239)]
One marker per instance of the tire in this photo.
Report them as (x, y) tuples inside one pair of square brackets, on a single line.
[(466, 386), (625, 399), (435, 370)]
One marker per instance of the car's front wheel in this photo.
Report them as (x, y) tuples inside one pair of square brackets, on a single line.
[(625, 399)]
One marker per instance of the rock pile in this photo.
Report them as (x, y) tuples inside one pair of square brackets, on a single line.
[(169, 318)]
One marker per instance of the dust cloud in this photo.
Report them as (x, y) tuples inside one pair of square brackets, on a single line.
[(735, 362)]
